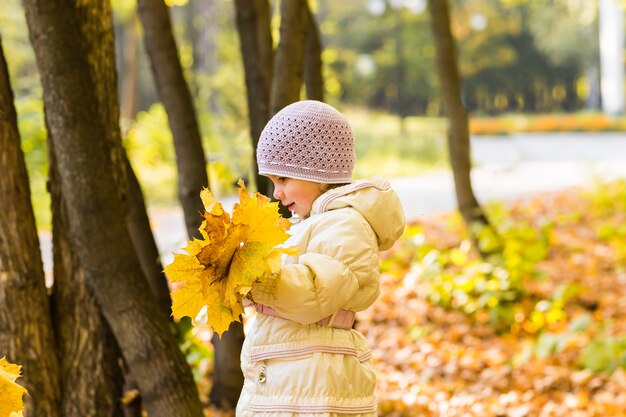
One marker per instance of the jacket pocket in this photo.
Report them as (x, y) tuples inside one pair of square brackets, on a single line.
[(313, 378), (282, 358)]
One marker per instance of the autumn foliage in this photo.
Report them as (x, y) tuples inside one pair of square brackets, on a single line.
[(218, 270), (509, 124), (11, 393), (564, 351)]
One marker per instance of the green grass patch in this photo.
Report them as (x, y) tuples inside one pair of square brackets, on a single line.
[(389, 146)]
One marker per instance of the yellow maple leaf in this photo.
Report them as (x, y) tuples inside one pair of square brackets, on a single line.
[(11, 393), (236, 251)]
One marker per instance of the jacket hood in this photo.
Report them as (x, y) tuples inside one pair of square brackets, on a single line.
[(375, 200)]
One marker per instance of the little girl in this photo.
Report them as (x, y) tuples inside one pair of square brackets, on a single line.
[(301, 356)]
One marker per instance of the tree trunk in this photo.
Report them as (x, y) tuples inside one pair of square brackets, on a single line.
[(176, 97), (128, 90), (289, 62), (26, 334), (145, 246), (91, 177), (91, 378), (313, 79), (458, 131), (255, 40), (288, 71), (264, 42), (227, 377)]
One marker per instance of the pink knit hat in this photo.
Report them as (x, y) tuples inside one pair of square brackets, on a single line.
[(307, 140)]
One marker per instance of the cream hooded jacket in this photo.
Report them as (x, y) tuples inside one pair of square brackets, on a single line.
[(291, 364)]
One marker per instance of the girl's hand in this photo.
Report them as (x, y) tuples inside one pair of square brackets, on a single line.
[(263, 291)]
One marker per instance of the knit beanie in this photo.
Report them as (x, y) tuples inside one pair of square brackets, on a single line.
[(307, 140)]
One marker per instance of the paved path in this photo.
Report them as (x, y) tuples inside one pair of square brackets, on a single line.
[(504, 168), (520, 165)]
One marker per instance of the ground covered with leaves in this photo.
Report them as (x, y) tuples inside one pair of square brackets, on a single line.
[(539, 331)]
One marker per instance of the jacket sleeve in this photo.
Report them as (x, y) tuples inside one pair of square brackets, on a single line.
[(341, 255)]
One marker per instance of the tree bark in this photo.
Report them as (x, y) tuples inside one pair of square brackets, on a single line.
[(26, 333), (265, 44), (458, 131), (255, 40), (313, 79), (91, 177), (289, 61), (227, 377), (98, 350), (176, 97), (145, 246), (128, 90), (91, 378)]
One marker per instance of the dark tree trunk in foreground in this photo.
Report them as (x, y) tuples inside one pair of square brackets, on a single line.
[(255, 39), (93, 382), (176, 97), (26, 333), (91, 177), (458, 131), (91, 378), (289, 61), (313, 80)]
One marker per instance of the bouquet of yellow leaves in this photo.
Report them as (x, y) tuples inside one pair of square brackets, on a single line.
[(11, 404), (219, 270)]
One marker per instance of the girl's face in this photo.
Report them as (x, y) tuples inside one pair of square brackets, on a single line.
[(297, 195)]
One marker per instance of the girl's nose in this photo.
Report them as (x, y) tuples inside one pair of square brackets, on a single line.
[(278, 194)]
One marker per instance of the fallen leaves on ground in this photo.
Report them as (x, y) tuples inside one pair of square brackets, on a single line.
[(435, 362)]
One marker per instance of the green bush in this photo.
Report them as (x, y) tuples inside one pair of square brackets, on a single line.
[(604, 353), (489, 290)]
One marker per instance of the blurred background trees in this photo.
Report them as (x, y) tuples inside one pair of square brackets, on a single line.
[(515, 56)]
